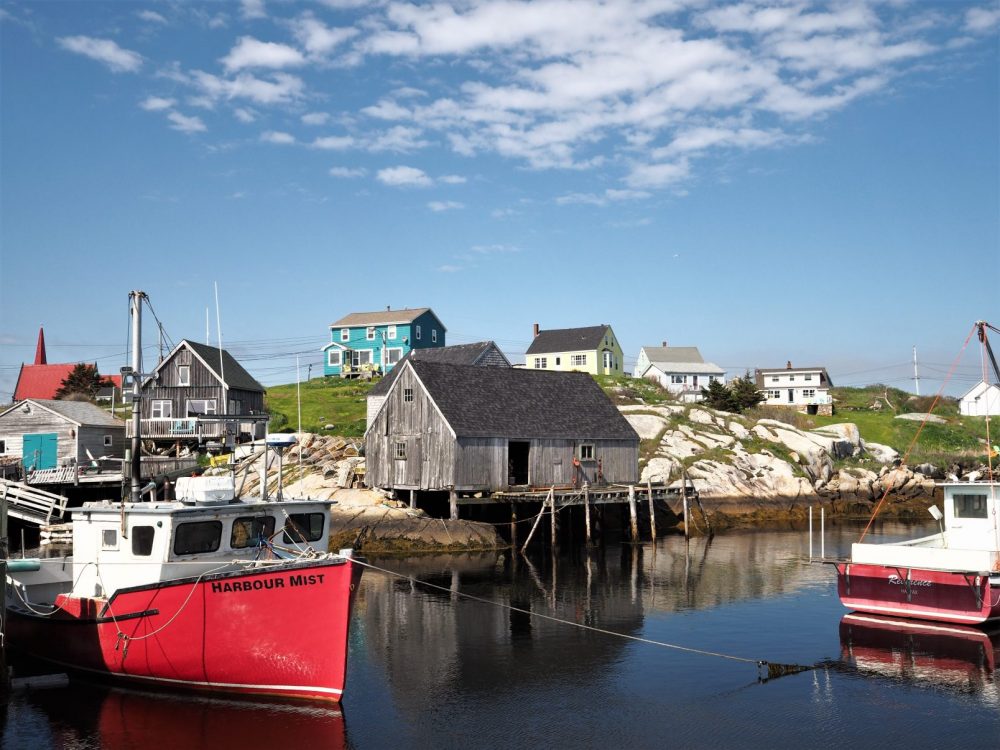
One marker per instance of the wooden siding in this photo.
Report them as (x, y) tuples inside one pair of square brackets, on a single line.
[(72, 442)]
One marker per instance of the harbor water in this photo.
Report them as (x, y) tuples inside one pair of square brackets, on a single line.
[(459, 651)]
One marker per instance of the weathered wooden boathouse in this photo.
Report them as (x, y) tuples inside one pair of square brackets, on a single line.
[(47, 433), (481, 430)]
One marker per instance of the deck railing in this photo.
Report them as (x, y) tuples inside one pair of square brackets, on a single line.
[(192, 427)]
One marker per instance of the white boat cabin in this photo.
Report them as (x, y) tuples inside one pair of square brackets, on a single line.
[(145, 543), (969, 540)]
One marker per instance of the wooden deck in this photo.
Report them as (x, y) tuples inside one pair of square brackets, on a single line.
[(597, 495)]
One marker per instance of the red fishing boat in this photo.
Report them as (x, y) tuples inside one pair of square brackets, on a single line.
[(203, 593)]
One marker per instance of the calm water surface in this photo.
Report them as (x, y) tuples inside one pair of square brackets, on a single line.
[(429, 668)]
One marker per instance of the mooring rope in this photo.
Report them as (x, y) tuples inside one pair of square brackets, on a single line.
[(773, 669)]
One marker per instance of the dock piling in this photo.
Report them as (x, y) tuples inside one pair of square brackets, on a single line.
[(586, 510), (652, 513), (633, 521)]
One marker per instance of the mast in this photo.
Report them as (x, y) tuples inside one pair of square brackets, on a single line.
[(135, 309), (916, 373)]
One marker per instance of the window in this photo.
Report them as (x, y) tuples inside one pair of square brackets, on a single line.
[(235, 407), (197, 536), (184, 375), (142, 540), (303, 527), (774, 378), (578, 360), (333, 358), (3, 446), (199, 406), (558, 361), (416, 333), (109, 539), (970, 506), (107, 441), (808, 376), (774, 394), (250, 531), (361, 357), (407, 394), (392, 356), (434, 335), (370, 333), (677, 379), (345, 334), (607, 360), (541, 363), (808, 393), (163, 409), (586, 451), (390, 333), (400, 451), (791, 378)]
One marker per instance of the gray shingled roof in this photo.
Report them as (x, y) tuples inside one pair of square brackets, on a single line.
[(672, 354), (83, 413), (383, 317), (459, 354), (687, 368), (567, 340), (234, 374), (518, 403)]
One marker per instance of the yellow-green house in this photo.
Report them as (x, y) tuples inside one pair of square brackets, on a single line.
[(594, 349)]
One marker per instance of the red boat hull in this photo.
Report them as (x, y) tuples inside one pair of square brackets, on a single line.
[(967, 598), (279, 631)]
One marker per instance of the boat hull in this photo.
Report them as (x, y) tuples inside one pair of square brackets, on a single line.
[(943, 596), (276, 631)]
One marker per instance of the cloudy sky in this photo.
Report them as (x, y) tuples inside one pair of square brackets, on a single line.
[(768, 181)]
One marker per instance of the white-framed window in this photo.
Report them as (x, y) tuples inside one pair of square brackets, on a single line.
[(390, 333), (407, 394), (586, 451), (558, 361), (578, 360), (808, 376), (416, 332), (791, 378), (333, 357), (361, 357), (392, 356), (400, 452), (774, 394), (345, 334), (808, 393), (108, 441), (370, 333), (198, 406), (677, 379), (774, 378), (184, 375), (434, 335), (162, 409), (541, 363)]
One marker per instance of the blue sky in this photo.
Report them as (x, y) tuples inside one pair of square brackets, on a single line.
[(768, 181)]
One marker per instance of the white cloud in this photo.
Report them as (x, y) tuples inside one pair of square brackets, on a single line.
[(494, 249), (400, 139), (244, 115), (157, 103), (253, 8), (186, 124), (982, 20), (447, 268), (657, 175), (603, 199), (439, 206), (253, 53), (452, 179), (317, 38), (277, 137), (403, 176), (281, 88), (119, 60), (151, 16), (315, 118), (348, 172), (334, 142)]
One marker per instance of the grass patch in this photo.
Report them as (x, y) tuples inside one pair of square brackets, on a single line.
[(325, 401)]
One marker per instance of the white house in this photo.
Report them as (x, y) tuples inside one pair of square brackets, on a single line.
[(983, 399), (806, 388), (679, 369)]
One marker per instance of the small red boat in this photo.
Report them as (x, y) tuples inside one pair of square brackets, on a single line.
[(203, 594), (952, 576)]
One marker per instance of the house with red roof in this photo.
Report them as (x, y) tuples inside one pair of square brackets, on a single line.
[(42, 380)]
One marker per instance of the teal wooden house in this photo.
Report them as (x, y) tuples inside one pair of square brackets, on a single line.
[(371, 343)]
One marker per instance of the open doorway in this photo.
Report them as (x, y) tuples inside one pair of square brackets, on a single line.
[(517, 462)]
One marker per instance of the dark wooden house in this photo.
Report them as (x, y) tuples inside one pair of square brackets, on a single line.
[(47, 434), (480, 354), (484, 429), (191, 388)]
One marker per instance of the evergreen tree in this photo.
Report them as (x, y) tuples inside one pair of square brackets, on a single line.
[(741, 394), (83, 380), (717, 396)]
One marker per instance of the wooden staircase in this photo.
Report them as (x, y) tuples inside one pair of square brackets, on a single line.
[(30, 504)]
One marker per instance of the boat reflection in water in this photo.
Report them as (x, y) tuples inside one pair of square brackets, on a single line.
[(87, 715), (941, 654)]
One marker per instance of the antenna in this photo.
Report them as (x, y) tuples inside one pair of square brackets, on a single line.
[(916, 373), (208, 335), (222, 365)]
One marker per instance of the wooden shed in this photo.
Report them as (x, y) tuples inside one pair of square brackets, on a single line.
[(484, 429), (47, 434)]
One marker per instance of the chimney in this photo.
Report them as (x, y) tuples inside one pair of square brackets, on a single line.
[(788, 366), (536, 329), (664, 344), (40, 348), (387, 308)]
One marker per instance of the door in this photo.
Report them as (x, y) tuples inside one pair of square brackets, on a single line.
[(791, 395), (518, 453), (39, 451)]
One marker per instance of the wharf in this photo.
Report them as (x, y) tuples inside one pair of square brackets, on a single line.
[(593, 495)]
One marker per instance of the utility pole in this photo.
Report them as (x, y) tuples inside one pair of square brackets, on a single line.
[(916, 373)]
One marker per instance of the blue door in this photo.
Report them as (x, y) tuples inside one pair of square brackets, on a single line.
[(39, 451)]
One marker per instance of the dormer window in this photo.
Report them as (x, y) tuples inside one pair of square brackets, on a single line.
[(184, 375)]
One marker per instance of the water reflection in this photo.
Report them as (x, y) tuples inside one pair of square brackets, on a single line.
[(953, 656)]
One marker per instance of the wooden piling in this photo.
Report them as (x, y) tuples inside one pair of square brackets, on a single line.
[(453, 501), (652, 513), (413, 499), (513, 525), (586, 510), (552, 511), (538, 520), (633, 521), (684, 500)]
